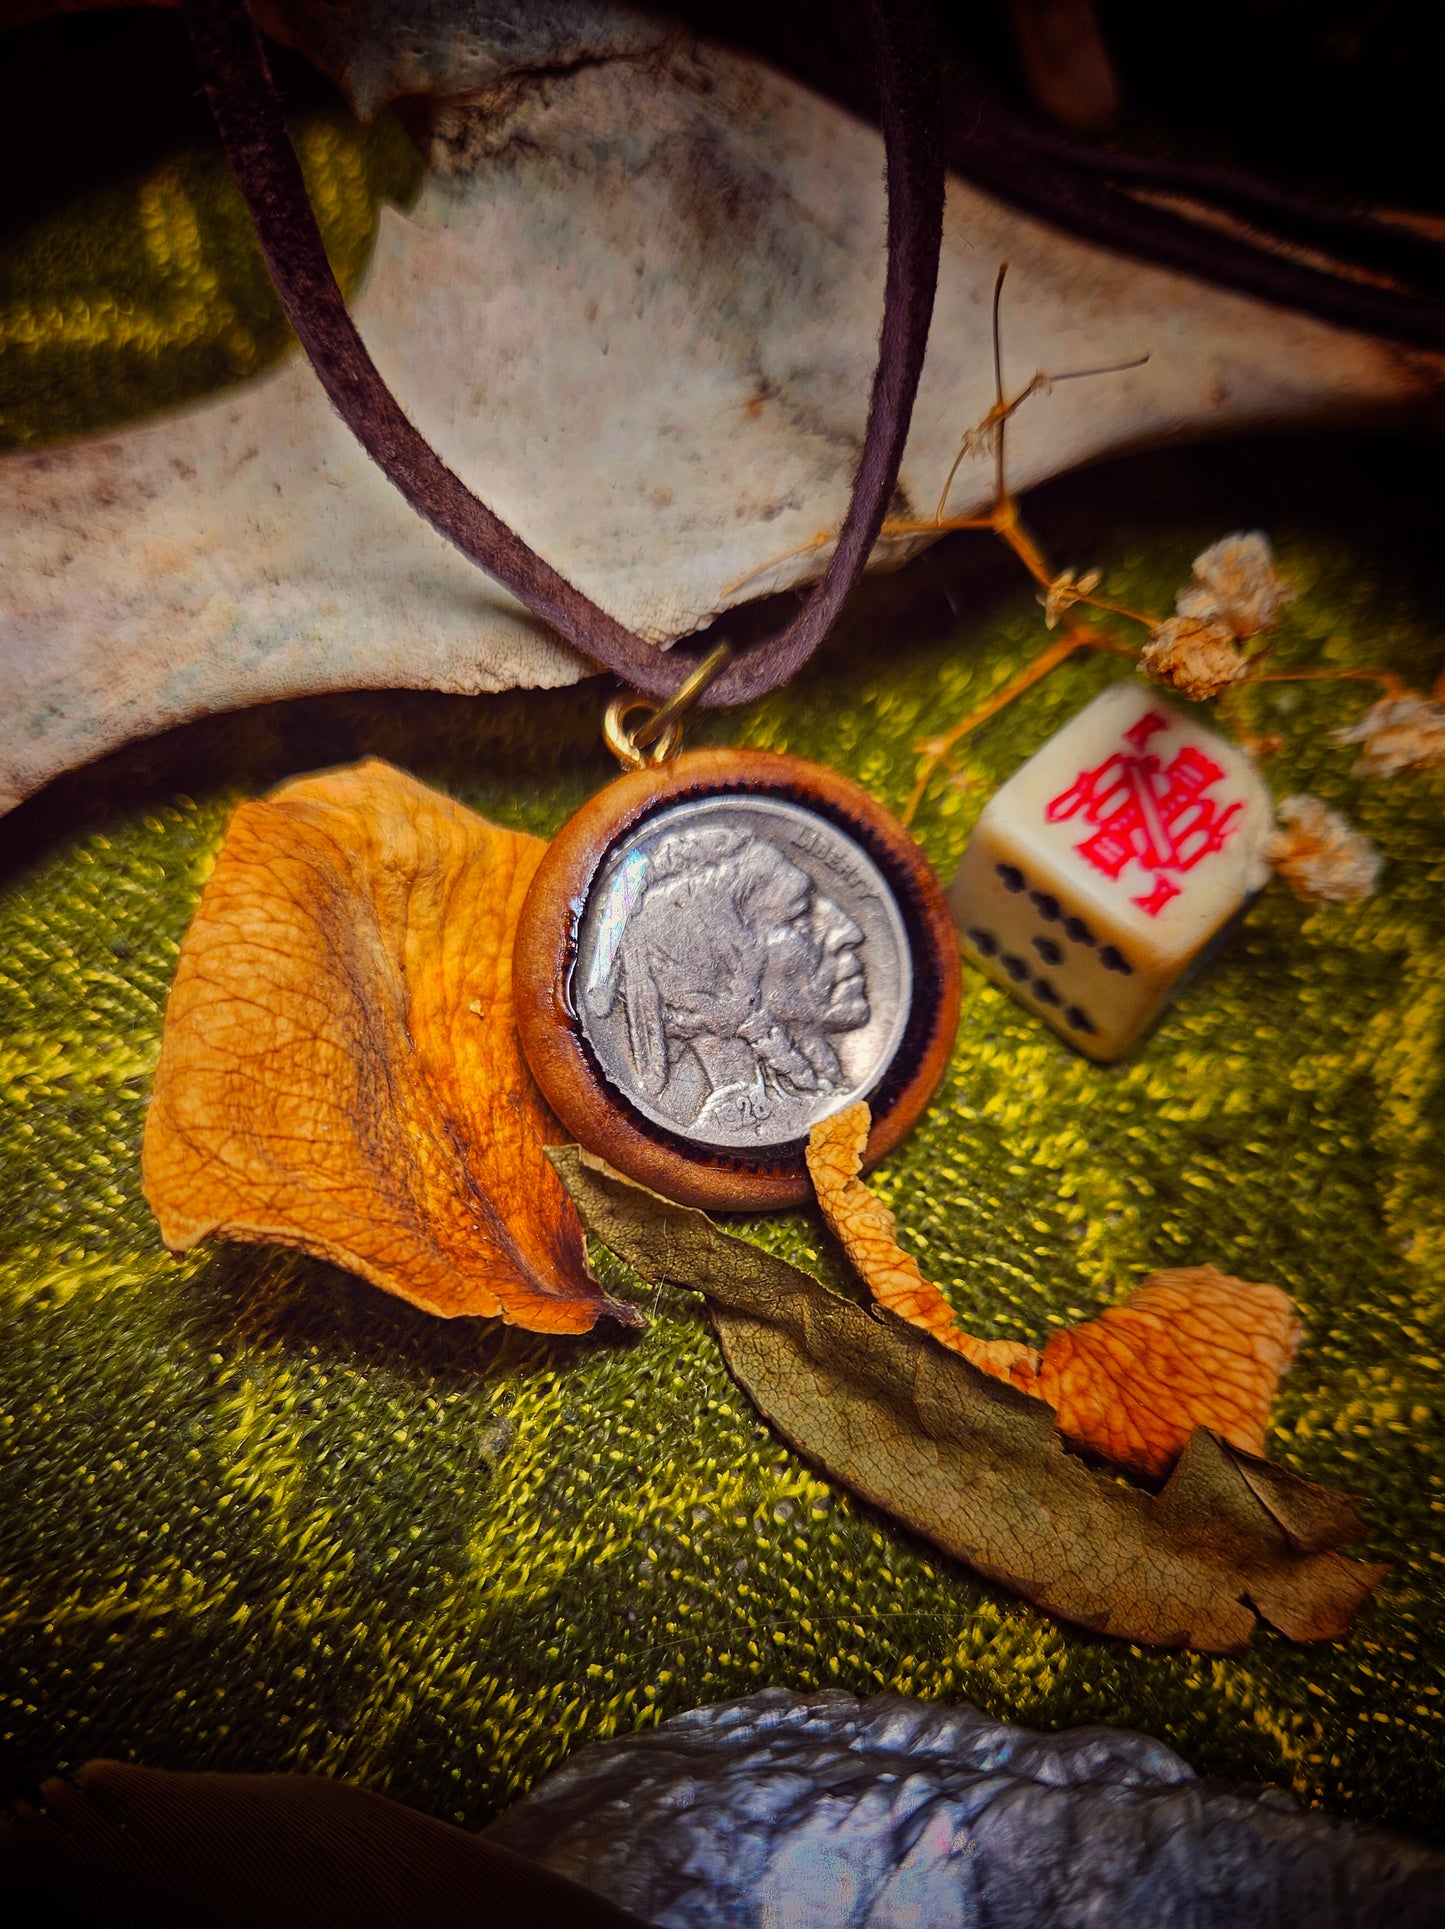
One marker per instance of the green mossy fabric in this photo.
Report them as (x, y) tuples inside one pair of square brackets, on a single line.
[(256, 1515), (149, 291)]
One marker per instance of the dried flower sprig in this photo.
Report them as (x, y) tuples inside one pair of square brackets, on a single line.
[(1195, 656), (1234, 596), (1398, 733), (1321, 856), (1235, 586), (1064, 591)]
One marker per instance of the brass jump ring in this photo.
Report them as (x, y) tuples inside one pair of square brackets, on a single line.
[(658, 736), (623, 743)]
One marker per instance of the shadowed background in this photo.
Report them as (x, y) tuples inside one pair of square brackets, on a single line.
[(258, 1516)]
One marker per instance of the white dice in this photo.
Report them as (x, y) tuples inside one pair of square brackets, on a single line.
[(1098, 875)]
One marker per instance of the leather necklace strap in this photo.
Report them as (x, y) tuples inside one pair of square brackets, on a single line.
[(248, 113)]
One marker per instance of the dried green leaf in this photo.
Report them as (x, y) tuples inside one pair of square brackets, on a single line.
[(979, 1468)]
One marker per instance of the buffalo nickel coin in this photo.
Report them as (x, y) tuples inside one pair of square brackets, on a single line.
[(742, 970)]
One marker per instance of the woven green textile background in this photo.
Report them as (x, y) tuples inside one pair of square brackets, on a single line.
[(256, 1515), (149, 291)]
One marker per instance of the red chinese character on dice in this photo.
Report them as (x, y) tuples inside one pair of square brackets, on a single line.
[(1157, 816)]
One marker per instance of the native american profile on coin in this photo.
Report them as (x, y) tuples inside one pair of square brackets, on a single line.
[(723, 977)]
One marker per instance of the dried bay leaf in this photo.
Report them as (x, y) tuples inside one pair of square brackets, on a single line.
[(339, 1067), (979, 1468)]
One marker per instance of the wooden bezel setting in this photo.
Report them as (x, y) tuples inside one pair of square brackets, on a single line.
[(599, 1116)]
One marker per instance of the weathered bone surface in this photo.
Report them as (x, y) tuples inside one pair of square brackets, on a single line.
[(638, 312)]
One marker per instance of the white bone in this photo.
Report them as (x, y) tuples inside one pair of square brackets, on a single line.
[(643, 328)]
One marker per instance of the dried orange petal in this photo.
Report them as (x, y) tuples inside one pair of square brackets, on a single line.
[(339, 1066), (864, 1227), (1190, 1348)]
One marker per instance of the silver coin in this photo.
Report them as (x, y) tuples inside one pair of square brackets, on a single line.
[(742, 970)]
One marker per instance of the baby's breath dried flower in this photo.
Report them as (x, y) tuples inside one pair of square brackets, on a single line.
[(1064, 591), (1322, 858), (1195, 658), (1399, 733), (1234, 583)]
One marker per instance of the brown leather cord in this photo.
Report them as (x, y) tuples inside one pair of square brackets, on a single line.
[(1352, 237), (1095, 194), (233, 69)]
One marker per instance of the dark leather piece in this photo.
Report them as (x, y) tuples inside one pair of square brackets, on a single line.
[(123, 1845), (1091, 189)]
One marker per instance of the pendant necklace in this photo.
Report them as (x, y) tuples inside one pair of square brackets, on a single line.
[(723, 946)]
